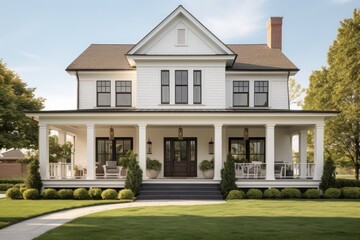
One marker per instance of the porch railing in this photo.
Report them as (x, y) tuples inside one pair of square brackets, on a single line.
[(283, 170), (60, 170)]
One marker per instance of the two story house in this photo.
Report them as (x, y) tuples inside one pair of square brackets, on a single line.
[(181, 95)]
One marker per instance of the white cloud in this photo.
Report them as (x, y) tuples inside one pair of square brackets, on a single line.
[(340, 2)]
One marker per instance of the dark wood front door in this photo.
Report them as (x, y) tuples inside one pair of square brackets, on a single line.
[(180, 157)]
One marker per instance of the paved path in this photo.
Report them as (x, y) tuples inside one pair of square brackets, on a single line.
[(34, 227), (2, 195)]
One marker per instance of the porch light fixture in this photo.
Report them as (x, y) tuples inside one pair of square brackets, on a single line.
[(111, 137), (211, 146), (246, 134), (180, 133), (149, 146)]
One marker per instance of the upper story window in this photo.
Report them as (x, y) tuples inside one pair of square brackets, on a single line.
[(181, 38), (165, 87), (123, 93), (181, 86), (197, 87), (261, 94), (241, 93), (103, 92)]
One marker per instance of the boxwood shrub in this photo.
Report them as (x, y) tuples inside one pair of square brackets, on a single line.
[(350, 192), (5, 186), (340, 183), (109, 194), (31, 194), (20, 185), (50, 194), (95, 193), (312, 194), (66, 194), (81, 194), (332, 193), (22, 190), (14, 193), (126, 194), (290, 193), (235, 194), (272, 193), (254, 194)]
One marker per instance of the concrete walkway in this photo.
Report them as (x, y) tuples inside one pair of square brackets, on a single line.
[(35, 227), (2, 195)]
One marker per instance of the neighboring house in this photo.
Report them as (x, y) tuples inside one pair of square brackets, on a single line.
[(12, 164), (181, 79)]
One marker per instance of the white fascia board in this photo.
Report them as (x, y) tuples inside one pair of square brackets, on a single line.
[(257, 72)]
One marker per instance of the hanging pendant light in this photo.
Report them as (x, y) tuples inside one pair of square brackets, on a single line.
[(111, 136), (246, 133), (149, 146), (211, 146), (180, 133)]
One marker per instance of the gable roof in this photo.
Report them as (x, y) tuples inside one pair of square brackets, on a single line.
[(15, 153), (251, 57)]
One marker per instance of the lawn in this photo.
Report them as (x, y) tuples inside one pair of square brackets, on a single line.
[(245, 219), (13, 211)]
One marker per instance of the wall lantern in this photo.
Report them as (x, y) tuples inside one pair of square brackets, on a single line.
[(180, 133), (246, 134), (149, 146), (211, 146), (111, 137)]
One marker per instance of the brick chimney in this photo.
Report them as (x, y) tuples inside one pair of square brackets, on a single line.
[(274, 32)]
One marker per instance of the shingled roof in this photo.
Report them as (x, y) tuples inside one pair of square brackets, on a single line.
[(251, 57)]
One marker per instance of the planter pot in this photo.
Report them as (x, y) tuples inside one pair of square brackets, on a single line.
[(208, 174), (77, 173), (151, 173), (123, 172)]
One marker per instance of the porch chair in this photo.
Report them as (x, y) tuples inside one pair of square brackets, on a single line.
[(279, 169), (111, 169)]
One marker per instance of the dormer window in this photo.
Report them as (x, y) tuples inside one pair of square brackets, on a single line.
[(181, 36)]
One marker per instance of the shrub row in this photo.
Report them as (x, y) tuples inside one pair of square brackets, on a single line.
[(5, 186), (341, 183), (11, 181), (78, 194), (293, 193)]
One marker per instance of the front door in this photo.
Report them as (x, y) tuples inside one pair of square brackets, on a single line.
[(180, 157)]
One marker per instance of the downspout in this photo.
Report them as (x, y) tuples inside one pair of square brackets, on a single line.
[(78, 89), (288, 90)]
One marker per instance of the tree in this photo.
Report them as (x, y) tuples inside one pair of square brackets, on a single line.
[(33, 178), (328, 177), (59, 152), (337, 87), (134, 174), (17, 130), (228, 179), (295, 92)]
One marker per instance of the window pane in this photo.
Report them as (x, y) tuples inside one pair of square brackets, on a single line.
[(123, 99), (165, 77), (103, 99), (184, 94), (241, 99), (165, 94), (261, 100), (197, 94)]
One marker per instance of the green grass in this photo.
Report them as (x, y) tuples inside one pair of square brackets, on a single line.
[(13, 211), (245, 219)]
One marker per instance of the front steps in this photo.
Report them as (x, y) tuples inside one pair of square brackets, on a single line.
[(186, 191)]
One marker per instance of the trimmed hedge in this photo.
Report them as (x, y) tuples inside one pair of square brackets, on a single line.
[(50, 194), (332, 193), (290, 193), (95, 193), (272, 193), (109, 194), (66, 194), (340, 183), (81, 194), (126, 194), (312, 194), (20, 185), (350, 192), (5, 186), (13, 193), (254, 194), (11, 181), (31, 194), (235, 194)]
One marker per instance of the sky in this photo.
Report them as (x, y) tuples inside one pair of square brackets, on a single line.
[(39, 39)]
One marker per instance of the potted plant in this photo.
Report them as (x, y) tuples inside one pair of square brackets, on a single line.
[(77, 171), (153, 168), (207, 168)]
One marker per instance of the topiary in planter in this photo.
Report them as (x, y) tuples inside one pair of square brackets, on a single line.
[(207, 168), (13, 193), (126, 194), (272, 193), (31, 194), (66, 194), (50, 194), (153, 168), (95, 193), (290, 193), (81, 194), (109, 194), (312, 194), (235, 194), (350, 192), (332, 193), (254, 194)]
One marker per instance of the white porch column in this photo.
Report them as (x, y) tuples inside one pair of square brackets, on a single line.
[(90, 151), (318, 151), (270, 151), (302, 153), (44, 150), (142, 148), (217, 151)]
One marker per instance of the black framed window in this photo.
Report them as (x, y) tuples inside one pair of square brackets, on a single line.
[(181, 86), (197, 87), (103, 93), (112, 150), (123, 93), (241, 93), (247, 150), (261, 92), (165, 87)]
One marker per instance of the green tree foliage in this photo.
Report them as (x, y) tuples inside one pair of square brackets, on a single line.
[(228, 179), (59, 152), (328, 177), (33, 179), (17, 130), (134, 174), (337, 87), (296, 92)]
